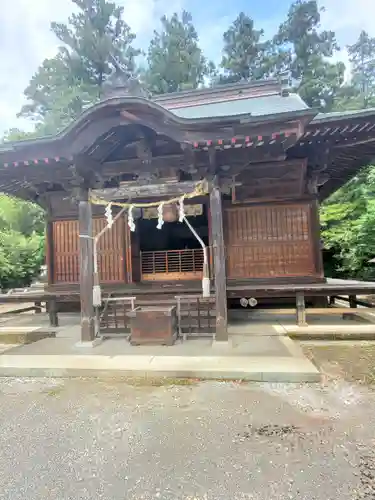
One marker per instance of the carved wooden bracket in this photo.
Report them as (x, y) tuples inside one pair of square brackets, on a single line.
[(316, 179)]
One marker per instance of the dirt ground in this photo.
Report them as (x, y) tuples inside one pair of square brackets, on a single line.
[(84, 439), (352, 361)]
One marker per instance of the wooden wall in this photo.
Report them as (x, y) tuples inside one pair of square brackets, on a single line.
[(270, 241), (112, 258)]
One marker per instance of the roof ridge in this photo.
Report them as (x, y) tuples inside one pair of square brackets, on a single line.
[(220, 92)]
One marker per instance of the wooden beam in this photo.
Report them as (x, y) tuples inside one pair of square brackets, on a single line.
[(316, 311), (157, 188), (217, 238), (86, 260)]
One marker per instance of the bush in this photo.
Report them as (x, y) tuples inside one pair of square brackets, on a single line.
[(21, 258)]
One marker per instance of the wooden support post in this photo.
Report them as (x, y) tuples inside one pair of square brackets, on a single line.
[(315, 229), (301, 309), (52, 313), (86, 261), (217, 236), (353, 301)]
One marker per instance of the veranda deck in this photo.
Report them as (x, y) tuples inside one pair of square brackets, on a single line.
[(168, 291), (235, 289)]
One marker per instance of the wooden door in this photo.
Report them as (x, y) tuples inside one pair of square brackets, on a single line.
[(111, 251), (269, 241)]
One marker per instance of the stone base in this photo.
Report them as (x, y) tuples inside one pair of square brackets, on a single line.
[(222, 344), (90, 344)]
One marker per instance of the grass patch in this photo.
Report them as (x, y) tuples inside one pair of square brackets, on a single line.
[(159, 381), (355, 363), (54, 391), (148, 381)]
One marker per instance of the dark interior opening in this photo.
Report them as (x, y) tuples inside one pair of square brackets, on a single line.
[(173, 235)]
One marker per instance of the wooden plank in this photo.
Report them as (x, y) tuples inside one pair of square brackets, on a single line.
[(219, 264), (271, 181), (192, 275), (319, 311)]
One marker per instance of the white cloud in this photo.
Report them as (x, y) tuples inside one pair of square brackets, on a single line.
[(26, 40), (347, 18), (25, 37)]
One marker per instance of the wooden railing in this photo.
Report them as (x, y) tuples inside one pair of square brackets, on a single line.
[(172, 264)]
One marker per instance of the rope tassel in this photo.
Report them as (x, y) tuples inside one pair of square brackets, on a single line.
[(160, 216), (108, 215), (181, 209), (131, 222)]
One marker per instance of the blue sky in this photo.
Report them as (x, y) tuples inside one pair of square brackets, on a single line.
[(25, 38)]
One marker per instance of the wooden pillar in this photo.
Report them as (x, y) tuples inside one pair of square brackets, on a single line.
[(353, 301), (52, 313), (218, 249), (52, 308), (317, 247), (49, 252), (86, 262)]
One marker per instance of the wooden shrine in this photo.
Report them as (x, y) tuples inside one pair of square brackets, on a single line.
[(250, 162)]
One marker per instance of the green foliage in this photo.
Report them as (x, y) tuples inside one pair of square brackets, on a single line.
[(20, 258), (21, 242), (303, 50), (93, 41), (362, 59), (244, 51), (348, 221), (20, 216), (15, 134), (348, 216), (175, 60)]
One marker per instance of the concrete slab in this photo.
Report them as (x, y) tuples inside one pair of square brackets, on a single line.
[(266, 359), (270, 369), (6, 347), (264, 346)]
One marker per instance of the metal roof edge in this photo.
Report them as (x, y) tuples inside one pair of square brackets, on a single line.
[(217, 89), (342, 115)]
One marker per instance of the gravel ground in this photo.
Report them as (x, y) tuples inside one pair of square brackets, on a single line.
[(353, 361), (86, 439)]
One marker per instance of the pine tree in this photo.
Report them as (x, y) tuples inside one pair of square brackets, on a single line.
[(304, 50), (362, 58), (175, 60), (245, 56), (93, 40)]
